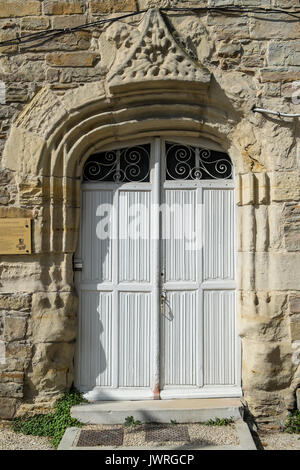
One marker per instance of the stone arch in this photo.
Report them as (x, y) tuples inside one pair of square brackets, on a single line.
[(54, 135)]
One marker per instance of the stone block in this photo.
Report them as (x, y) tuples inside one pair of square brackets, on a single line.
[(286, 3), (279, 74), (284, 53), (18, 8), (266, 406), (295, 328), (247, 229), (263, 316), (53, 317), (72, 59), (298, 398), (69, 7), (285, 186), (254, 3), (294, 303), (19, 350), (276, 239), (107, 6), (11, 389), (14, 328), (14, 301), (229, 50), (52, 368), (8, 407), (38, 407), (274, 26), (230, 27), (248, 189), (6, 36), (32, 23), (60, 22), (220, 3), (291, 215), (80, 75), (14, 376), (268, 271), (266, 366), (16, 212), (40, 123), (262, 187), (52, 75), (74, 41)]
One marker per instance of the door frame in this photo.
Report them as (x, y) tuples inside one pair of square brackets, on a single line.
[(156, 179)]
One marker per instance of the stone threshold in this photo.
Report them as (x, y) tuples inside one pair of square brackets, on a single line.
[(189, 410)]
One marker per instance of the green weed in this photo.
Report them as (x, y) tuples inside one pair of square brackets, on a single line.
[(52, 424), (219, 422)]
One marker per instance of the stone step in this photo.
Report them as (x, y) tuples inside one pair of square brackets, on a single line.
[(159, 411)]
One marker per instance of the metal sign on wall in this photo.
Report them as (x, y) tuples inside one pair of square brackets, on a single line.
[(15, 236)]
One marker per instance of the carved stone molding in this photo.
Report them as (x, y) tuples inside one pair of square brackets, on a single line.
[(154, 57)]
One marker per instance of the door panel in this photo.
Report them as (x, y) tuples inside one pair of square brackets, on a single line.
[(94, 351), (135, 237), (96, 253), (178, 235), (180, 358), (219, 338), (218, 238), (179, 338), (135, 339)]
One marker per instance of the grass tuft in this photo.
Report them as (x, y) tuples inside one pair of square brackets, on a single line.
[(292, 424), (219, 422)]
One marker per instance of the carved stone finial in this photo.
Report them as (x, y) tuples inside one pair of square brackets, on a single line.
[(155, 56)]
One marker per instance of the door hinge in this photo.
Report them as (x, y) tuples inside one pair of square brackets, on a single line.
[(77, 265)]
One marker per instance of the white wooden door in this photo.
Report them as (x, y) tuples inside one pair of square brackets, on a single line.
[(199, 346), (115, 285), (157, 285)]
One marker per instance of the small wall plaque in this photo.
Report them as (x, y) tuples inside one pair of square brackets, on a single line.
[(15, 236)]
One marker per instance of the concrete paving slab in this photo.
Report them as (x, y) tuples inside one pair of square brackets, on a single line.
[(245, 442)]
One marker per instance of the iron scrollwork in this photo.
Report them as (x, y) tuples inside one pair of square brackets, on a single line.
[(131, 164), (193, 163)]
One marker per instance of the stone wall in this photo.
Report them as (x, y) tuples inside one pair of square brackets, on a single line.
[(57, 89)]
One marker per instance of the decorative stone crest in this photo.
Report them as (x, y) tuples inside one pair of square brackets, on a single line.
[(155, 56)]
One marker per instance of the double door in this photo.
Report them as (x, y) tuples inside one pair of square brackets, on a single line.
[(156, 274)]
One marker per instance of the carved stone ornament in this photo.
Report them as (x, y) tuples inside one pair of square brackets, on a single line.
[(155, 56)]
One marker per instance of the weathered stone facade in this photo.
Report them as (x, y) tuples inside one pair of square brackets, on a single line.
[(67, 94)]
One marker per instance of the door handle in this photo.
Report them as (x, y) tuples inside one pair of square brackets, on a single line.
[(163, 297)]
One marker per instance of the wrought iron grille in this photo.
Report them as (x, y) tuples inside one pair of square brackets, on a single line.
[(194, 163), (161, 433), (105, 437), (131, 164)]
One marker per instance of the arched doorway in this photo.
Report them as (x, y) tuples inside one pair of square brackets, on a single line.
[(156, 272)]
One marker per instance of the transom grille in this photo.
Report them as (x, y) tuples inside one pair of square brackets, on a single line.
[(131, 164), (194, 163)]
